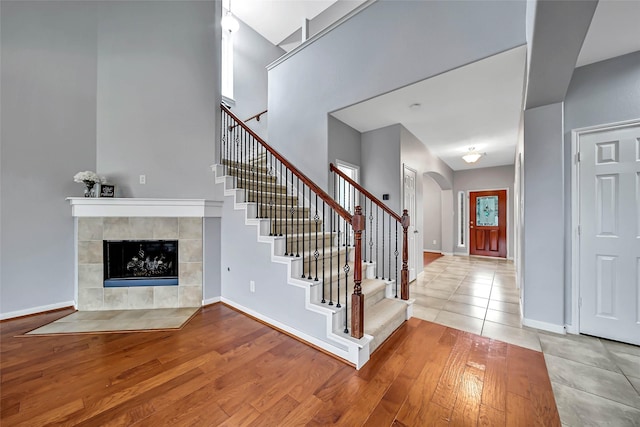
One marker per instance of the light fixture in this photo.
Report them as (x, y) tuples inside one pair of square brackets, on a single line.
[(229, 22), (472, 156), (415, 107)]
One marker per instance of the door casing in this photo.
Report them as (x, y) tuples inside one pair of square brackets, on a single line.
[(574, 327)]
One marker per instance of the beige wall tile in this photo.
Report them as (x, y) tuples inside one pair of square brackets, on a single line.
[(90, 252), (116, 228), (141, 297), (141, 228), (190, 273), (190, 228), (90, 276), (90, 229), (165, 228), (91, 299), (190, 296), (165, 296), (190, 250), (116, 298)]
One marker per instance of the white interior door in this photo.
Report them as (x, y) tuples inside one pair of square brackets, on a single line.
[(409, 192), (609, 194)]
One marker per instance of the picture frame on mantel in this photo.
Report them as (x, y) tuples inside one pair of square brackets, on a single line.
[(107, 190)]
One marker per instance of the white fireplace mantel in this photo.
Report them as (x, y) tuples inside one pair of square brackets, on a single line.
[(134, 207)]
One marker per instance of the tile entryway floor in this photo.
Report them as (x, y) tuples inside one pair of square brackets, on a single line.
[(118, 321), (595, 381)]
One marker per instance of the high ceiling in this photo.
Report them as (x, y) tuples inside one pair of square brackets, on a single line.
[(478, 105)]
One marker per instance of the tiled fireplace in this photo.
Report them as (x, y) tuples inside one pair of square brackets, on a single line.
[(129, 228)]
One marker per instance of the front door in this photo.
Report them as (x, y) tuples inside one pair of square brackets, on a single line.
[(488, 223), (609, 248), (409, 190)]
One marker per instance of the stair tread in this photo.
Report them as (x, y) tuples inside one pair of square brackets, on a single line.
[(378, 315)]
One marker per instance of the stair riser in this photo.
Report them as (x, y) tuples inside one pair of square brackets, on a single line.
[(292, 228), (298, 245), (268, 199), (268, 187)]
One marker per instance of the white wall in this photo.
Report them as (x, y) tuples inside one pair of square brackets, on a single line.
[(344, 143), (48, 134), (122, 87), (543, 239), (432, 211), (251, 55), (158, 94), (371, 54), (494, 178)]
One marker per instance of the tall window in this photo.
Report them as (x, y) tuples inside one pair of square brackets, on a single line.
[(227, 65), (227, 58), (462, 219)]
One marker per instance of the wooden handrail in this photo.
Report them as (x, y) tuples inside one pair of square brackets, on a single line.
[(308, 182), (361, 189), (255, 116)]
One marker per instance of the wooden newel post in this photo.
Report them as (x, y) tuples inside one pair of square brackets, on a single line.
[(404, 284), (357, 300)]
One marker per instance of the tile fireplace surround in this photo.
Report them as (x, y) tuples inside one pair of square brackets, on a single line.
[(140, 219)]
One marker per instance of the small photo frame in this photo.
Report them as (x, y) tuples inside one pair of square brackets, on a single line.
[(107, 190)]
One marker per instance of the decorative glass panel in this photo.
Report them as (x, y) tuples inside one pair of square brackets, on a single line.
[(487, 211)]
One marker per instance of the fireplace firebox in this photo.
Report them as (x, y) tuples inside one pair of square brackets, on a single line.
[(140, 263)]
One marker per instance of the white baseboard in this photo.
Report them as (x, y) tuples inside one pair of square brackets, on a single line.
[(36, 310), (448, 253), (549, 327), (432, 251), (210, 301)]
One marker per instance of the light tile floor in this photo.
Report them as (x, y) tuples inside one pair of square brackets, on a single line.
[(596, 382)]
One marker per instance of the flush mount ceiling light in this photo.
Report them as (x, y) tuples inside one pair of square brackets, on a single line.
[(472, 156), (229, 22), (415, 107)]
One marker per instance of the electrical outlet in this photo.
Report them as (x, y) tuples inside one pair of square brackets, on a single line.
[(435, 242), (252, 286), (143, 179)]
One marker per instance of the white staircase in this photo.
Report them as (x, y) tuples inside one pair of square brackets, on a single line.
[(383, 312)]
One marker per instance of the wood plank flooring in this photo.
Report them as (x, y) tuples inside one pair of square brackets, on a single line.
[(429, 257), (224, 368)]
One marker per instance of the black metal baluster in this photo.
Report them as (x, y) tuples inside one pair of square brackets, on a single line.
[(304, 226), (396, 254), (286, 212), (377, 247), (331, 258), (389, 216), (298, 222), (371, 234), (338, 218), (346, 279), (383, 236), (281, 217), (316, 254)]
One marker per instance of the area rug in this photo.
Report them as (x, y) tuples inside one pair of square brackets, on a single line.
[(114, 321)]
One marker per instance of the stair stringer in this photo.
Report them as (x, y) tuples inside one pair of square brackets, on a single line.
[(355, 351)]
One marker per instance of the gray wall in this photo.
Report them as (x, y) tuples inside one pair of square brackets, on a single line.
[(48, 134), (381, 165), (371, 54), (543, 239), (251, 55), (158, 92), (600, 93), (344, 142), (499, 177), (122, 87), (432, 210)]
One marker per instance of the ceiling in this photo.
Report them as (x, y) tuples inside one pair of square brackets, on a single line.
[(478, 105)]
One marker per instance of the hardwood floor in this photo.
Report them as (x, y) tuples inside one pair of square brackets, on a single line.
[(429, 257), (224, 368)]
